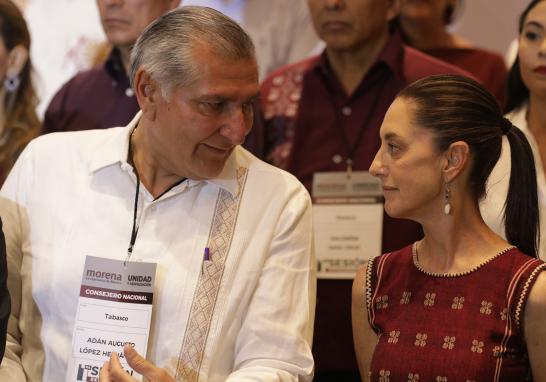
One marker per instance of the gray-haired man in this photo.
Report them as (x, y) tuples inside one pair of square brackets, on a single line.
[(234, 288)]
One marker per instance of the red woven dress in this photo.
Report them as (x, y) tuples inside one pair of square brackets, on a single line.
[(446, 328)]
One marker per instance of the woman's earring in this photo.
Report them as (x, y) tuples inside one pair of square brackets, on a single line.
[(447, 205), (11, 84)]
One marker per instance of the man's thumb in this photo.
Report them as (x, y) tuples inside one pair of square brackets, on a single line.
[(137, 363)]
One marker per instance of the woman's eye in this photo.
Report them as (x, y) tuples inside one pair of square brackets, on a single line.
[(531, 36), (393, 148)]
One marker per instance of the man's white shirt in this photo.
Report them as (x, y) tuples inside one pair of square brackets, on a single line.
[(71, 195)]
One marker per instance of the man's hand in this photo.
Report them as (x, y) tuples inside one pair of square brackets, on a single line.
[(112, 371)]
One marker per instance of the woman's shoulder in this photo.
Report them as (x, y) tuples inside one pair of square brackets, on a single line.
[(384, 262)]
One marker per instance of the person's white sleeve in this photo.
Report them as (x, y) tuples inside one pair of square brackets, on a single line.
[(12, 211), (492, 206), (274, 343)]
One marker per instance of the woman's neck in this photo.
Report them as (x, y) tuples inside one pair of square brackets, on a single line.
[(457, 242), (536, 115)]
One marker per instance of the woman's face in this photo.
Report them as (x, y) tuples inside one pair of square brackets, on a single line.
[(424, 10), (532, 50), (408, 165)]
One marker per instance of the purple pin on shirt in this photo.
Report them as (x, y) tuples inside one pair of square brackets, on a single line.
[(206, 255)]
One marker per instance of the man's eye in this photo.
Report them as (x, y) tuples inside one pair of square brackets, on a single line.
[(211, 107), (247, 108)]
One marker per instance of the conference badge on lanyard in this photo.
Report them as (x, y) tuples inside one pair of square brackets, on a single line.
[(348, 221), (114, 309)]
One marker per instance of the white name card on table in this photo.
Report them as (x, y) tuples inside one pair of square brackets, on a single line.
[(114, 309), (348, 222)]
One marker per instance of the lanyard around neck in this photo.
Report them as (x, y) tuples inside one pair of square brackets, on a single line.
[(134, 230), (351, 148)]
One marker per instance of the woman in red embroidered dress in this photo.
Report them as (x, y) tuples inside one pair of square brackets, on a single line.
[(462, 304)]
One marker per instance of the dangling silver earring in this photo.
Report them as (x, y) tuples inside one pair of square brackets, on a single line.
[(447, 205), (11, 84)]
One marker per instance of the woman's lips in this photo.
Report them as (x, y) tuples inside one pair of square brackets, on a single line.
[(540, 70)]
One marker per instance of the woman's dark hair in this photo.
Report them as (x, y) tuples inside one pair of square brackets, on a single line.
[(457, 108), (517, 92), (22, 123)]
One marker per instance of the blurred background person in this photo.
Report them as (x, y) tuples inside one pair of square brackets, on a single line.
[(526, 108), (18, 120), (281, 29), (102, 96), (59, 52), (462, 295), (425, 26)]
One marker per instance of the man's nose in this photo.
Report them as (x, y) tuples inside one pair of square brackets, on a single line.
[(333, 4), (238, 125)]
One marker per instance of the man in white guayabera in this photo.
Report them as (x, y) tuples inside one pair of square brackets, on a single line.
[(234, 289)]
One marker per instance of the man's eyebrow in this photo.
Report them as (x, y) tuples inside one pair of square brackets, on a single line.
[(219, 98), (211, 97)]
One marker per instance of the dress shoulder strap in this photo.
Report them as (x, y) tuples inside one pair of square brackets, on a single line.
[(520, 286), (374, 270)]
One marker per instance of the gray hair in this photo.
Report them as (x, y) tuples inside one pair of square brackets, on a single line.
[(165, 47)]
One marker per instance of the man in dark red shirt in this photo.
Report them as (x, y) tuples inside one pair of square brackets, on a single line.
[(102, 96), (323, 114)]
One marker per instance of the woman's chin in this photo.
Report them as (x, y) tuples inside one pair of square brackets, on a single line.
[(396, 212)]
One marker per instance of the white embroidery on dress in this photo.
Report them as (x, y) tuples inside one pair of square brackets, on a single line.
[(393, 336), (449, 343), (405, 298), (430, 299), (477, 346), (457, 303), (421, 339), (486, 307)]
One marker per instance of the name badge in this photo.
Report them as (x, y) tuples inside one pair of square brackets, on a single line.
[(348, 222), (114, 309)]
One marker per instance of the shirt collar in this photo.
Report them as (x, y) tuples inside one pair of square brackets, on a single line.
[(227, 179), (116, 150), (114, 65)]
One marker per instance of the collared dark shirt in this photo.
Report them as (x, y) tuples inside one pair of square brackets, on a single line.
[(98, 98), (306, 115)]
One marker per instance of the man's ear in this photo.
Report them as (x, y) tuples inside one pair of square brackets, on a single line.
[(394, 7), (147, 92), (457, 157), (17, 58)]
